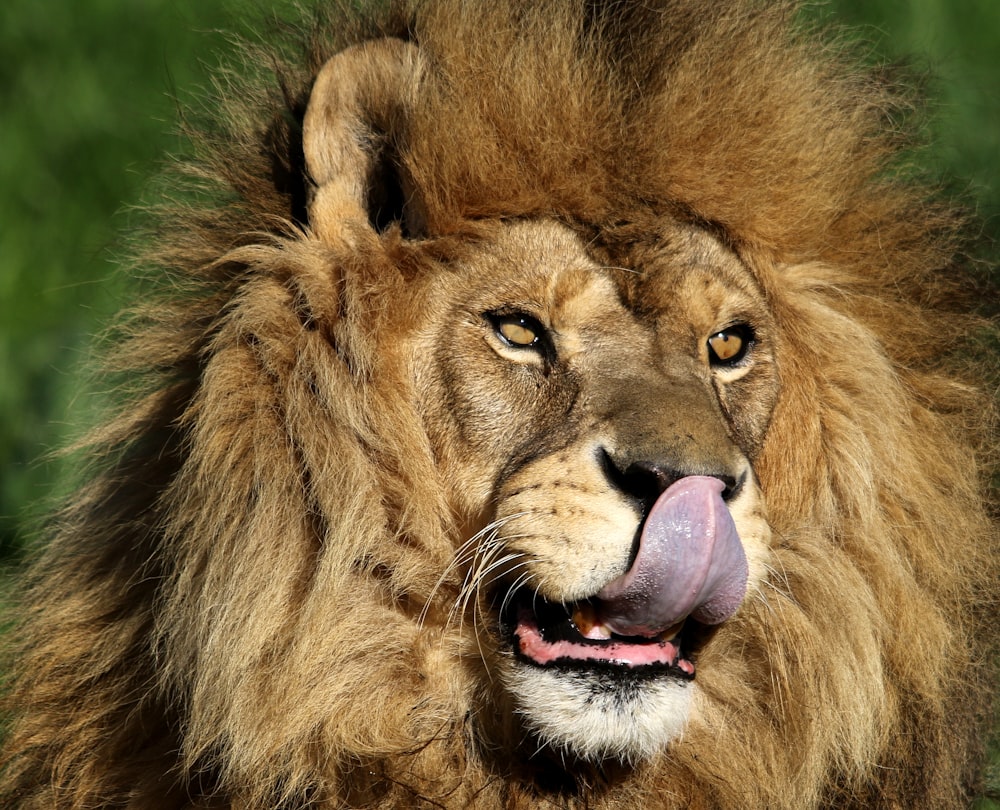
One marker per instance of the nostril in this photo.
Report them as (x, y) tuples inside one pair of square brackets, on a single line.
[(733, 485), (646, 480), (642, 480)]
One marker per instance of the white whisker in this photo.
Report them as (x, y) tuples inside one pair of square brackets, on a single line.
[(465, 554)]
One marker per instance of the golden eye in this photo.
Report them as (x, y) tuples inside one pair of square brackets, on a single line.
[(518, 330), (518, 333), (729, 346)]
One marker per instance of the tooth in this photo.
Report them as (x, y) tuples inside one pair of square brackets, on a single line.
[(586, 621), (584, 616)]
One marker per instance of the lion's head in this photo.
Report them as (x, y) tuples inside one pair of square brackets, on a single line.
[(596, 427), (562, 415)]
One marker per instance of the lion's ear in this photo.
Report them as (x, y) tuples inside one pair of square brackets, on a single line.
[(350, 139)]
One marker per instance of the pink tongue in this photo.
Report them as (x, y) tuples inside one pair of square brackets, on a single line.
[(690, 563)]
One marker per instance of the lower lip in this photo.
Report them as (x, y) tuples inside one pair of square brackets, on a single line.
[(532, 646)]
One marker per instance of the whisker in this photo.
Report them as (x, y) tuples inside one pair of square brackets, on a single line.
[(515, 586), (518, 583), (487, 559), (464, 554), (622, 269)]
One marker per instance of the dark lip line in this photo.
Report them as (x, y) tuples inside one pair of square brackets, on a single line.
[(574, 665), (508, 633)]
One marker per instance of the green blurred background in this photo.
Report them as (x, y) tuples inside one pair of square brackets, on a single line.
[(88, 93)]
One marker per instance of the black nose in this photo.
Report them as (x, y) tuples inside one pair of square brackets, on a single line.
[(645, 480)]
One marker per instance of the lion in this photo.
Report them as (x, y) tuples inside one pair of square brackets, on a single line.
[(535, 405)]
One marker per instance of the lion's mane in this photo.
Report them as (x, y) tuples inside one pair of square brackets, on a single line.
[(243, 604)]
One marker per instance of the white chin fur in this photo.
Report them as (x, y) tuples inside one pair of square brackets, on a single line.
[(579, 712)]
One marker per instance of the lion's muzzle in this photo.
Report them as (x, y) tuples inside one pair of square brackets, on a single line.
[(690, 563)]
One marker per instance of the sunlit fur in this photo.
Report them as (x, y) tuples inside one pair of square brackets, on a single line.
[(271, 588), (631, 729)]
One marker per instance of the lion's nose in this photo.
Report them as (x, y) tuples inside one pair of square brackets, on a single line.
[(645, 480)]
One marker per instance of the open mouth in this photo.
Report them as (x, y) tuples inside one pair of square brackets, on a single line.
[(549, 634), (689, 570)]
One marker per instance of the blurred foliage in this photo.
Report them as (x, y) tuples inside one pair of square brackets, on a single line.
[(88, 100), (86, 104), (957, 45)]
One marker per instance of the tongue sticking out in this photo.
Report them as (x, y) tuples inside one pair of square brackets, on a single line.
[(690, 563)]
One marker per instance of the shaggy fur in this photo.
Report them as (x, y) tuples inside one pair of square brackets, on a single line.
[(256, 600)]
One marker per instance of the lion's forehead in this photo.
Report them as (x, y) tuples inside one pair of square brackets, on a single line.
[(686, 282)]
